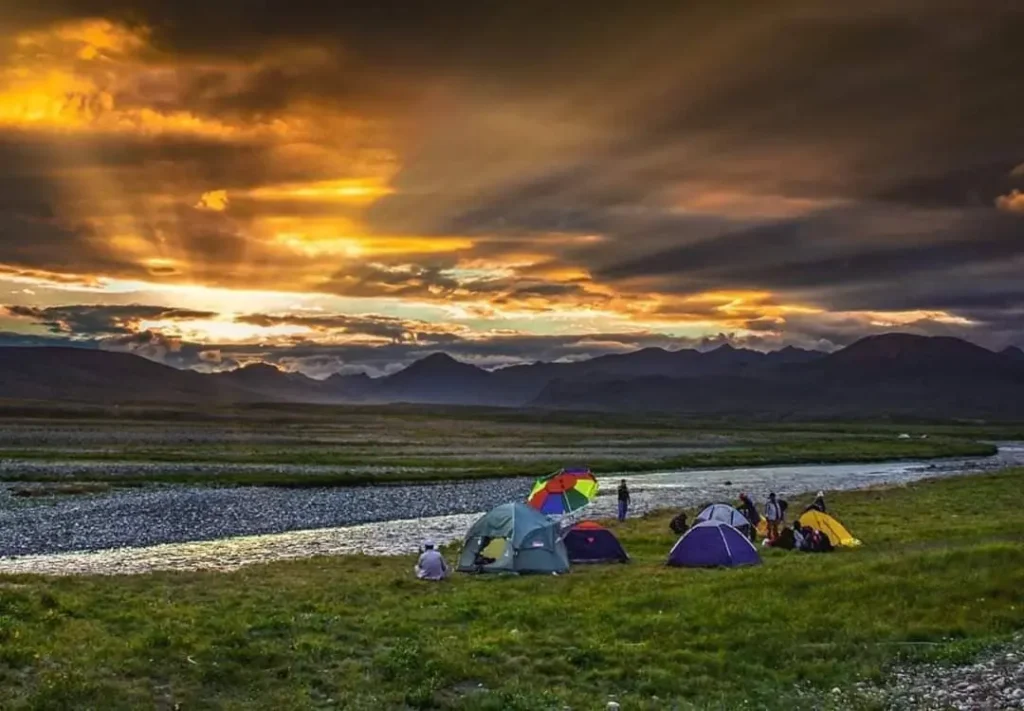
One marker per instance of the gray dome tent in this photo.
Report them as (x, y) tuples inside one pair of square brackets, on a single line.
[(513, 538), (724, 513)]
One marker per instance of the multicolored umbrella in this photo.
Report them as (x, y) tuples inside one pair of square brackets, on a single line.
[(563, 492)]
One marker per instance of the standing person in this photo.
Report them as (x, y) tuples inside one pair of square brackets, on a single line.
[(431, 565), (748, 508), (773, 516), (678, 524), (623, 500)]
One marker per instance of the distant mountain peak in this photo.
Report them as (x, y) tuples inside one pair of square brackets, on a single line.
[(260, 367), (438, 364), (349, 377), (1014, 352), (903, 343), (439, 357)]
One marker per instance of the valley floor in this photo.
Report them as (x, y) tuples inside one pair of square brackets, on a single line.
[(938, 580), (333, 446)]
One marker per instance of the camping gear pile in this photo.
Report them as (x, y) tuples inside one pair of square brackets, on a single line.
[(539, 536)]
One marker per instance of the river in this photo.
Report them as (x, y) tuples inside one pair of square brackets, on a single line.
[(194, 528)]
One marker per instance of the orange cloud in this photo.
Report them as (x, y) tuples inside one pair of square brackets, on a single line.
[(1012, 202), (213, 200)]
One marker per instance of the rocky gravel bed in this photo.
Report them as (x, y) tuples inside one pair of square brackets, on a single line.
[(993, 682), (345, 516), (145, 517)]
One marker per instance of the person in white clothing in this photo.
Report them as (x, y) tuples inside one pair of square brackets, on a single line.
[(431, 565), (773, 516)]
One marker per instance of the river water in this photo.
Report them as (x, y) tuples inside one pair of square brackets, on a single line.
[(189, 528)]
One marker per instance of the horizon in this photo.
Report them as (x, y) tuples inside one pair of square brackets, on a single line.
[(345, 189), (429, 354)]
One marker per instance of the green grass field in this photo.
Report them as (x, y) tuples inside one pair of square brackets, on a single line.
[(940, 576), (345, 446)]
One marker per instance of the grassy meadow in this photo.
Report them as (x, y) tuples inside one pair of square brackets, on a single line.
[(939, 577), (318, 446)]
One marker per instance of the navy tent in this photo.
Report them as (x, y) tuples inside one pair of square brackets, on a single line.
[(590, 542), (713, 543)]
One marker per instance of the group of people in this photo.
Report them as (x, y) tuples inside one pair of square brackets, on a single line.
[(432, 566), (802, 538), (774, 514), (794, 537)]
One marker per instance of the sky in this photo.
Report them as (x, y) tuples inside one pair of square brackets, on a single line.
[(346, 187)]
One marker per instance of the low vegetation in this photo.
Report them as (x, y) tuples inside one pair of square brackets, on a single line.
[(335, 446), (939, 576)]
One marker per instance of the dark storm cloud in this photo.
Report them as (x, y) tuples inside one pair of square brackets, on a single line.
[(394, 329), (852, 258), (844, 156), (93, 320)]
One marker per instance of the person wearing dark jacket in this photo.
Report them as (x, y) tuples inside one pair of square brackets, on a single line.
[(623, 500), (678, 524), (749, 510)]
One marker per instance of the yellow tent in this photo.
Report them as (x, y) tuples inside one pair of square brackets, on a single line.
[(835, 531)]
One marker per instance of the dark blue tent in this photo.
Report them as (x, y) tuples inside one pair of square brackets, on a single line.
[(589, 542), (712, 544)]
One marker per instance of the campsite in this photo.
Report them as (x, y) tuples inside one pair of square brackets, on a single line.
[(798, 631), (511, 356)]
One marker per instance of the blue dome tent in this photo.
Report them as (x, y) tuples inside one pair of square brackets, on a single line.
[(711, 544)]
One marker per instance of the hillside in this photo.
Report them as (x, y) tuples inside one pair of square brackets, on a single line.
[(893, 374)]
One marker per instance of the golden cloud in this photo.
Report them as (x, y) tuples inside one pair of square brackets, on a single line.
[(213, 200), (1012, 202)]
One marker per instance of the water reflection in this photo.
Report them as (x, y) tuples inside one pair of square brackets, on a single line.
[(400, 536)]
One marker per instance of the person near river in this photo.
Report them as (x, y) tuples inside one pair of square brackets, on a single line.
[(773, 515), (748, 508), (623, 500), (431, 565), (679, 524)]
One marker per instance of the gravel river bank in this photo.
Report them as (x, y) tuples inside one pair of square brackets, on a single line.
[(189, 528)]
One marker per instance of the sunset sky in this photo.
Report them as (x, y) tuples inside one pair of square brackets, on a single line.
[(343, 187)]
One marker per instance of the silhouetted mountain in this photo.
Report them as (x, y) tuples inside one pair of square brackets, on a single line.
[(900, 355), (791, 354), (438, 378), (1013, 353), (76, 374), (275, 384), (893, 374), (357, 386)]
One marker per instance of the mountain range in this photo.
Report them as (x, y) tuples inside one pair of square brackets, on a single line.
[(893, 374)]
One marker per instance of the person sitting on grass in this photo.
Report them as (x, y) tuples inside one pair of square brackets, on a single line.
[(678, 524), (431, 565), (773, 516), (799, 540), (819, 542)]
